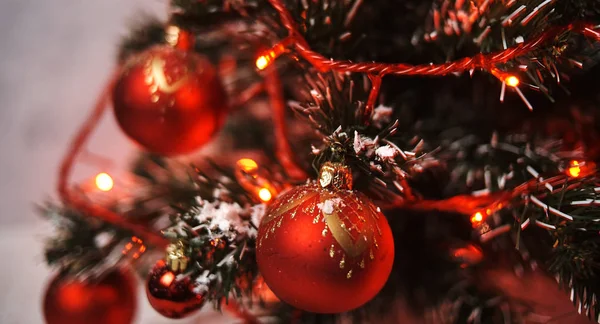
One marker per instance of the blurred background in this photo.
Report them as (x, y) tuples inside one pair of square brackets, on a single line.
[(54, 59)]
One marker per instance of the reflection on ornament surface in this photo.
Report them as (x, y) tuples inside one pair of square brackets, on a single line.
[(108, 299), (170, 101), (170, 296)]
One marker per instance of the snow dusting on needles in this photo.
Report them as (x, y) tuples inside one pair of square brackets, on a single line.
[(363, 144), (229, 218), (382, 116), (386, 153)]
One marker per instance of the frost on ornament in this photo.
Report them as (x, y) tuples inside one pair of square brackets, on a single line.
[(329, 205), (382, 115)]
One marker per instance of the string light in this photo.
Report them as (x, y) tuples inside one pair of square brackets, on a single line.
[(265, 195), (509, 79), (512, 81), (477, 218), (574, 170), (104, 182), (137, 246), (264, 60), (254, 180)]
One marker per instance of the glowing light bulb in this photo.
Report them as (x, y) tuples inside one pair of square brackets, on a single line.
[(262, 62), (264, 194), (104, 181), (512, 81), (136, 245), (477, 218), (167, 279), (247, 165), (574, 171)]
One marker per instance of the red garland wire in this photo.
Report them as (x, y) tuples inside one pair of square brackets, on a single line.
[(479, 61), (283, 149), (482, 61)]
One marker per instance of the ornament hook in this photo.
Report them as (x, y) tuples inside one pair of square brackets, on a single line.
[(335, 176)]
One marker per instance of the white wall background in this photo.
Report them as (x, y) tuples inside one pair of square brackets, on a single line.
[(55, 56)]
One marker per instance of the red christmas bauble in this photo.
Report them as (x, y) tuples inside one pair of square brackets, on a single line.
[(110, 299), (324, 250), (170, 101), (170, 296)]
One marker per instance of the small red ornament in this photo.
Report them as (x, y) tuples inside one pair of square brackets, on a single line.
[(170, 101), (110, 299), (325, 248), (170, 296)]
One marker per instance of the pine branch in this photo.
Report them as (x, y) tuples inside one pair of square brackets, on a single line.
[(465, 303), (575, 263), (469, 27)]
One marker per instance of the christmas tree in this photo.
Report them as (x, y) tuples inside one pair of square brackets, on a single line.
[(363, 155)]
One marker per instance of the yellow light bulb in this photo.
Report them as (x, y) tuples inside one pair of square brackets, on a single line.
[(512, 81), (104, 182), (264, 194), (478, 217), (574, 171), (262, 62)]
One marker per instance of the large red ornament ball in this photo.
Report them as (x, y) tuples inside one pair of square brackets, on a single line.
[(110, 299), (170, 101), (324, 250), (170, 296)]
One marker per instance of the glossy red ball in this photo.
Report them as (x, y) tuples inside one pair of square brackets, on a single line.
[(170, 296), (170, 101), (110, 299), (324, 251)]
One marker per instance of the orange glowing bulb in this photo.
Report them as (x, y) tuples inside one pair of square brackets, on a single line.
[(574, 171), (104, 181), (262, 62), (167, 279), (512, 81), (265, 195), (478, 217), (247, 165)]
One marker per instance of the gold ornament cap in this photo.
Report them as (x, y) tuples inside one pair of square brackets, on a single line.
[(335, 176), (176, 258)]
